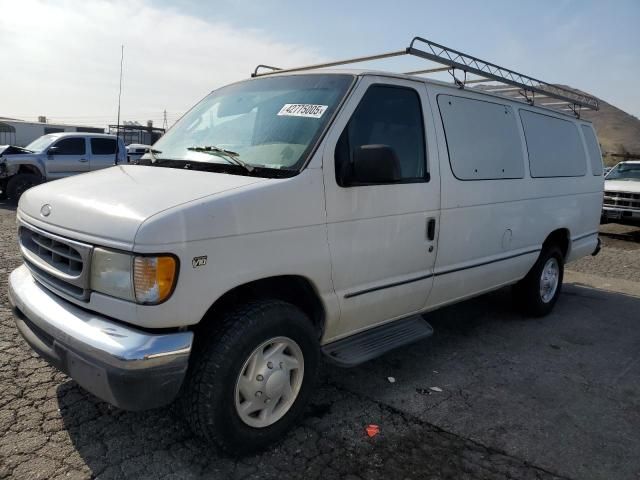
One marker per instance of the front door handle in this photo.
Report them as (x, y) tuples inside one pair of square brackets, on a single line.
[(431, 229), (83, 160)]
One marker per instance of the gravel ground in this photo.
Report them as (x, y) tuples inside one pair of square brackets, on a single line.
[(50, 428), (620, 256)]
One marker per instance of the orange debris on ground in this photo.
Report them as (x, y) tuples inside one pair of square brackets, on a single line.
[(372, 430)]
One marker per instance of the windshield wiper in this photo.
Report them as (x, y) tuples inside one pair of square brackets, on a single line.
[(229, 155), (148, 157), (152, 154)]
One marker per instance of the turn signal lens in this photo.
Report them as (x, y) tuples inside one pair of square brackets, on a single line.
[(153, 278)]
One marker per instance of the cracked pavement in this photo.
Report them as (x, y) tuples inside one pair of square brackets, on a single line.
[(549, 398)]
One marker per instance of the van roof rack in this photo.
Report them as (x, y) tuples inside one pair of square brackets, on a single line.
[(527, 88)]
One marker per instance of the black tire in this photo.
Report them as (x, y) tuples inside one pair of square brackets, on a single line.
[(207, 399), (18, 184), (527, 291)]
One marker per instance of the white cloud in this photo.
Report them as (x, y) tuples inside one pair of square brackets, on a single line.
[(62, 59)]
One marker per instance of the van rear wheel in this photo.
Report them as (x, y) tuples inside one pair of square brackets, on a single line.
[(251, 377), (537, 293)]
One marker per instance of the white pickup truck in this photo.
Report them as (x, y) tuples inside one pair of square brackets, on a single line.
[(56, 155), (292, 217), (622, 192)]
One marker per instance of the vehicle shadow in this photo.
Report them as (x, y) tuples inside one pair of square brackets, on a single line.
[(480, 346), (628, 231), (330, 438), (556, 391), (488, 329)]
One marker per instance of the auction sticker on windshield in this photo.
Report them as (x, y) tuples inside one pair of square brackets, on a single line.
[(302, 110)]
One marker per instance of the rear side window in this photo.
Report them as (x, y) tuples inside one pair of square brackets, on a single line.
[(593, 149), (387, 115), (554, 146), (103, 146), (70, 146), (482, 139)]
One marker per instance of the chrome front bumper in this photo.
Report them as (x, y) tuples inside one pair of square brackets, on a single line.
[(129, 368), (609, 211)]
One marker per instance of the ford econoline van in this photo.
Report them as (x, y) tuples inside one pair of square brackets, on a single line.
[(294, 217)]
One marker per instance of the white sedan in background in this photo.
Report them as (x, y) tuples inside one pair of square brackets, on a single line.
[(135, 151)]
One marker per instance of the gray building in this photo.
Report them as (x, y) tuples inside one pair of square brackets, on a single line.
[(21, 133)]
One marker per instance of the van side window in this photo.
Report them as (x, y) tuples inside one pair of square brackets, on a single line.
[(389, 120), (103, 146), (70, 146), (593, 149), (482, 139), (554, 146)]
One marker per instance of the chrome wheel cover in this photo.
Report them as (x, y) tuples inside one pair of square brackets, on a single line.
[(269, 382), (549, 280)]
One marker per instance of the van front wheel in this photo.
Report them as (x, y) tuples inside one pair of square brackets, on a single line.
[(251, 377), (537, 293)]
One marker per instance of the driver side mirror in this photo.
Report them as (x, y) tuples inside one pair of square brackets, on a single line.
[(52, 150), (375, 164)]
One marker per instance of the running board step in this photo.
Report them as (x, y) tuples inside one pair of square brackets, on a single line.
[(363, 346)]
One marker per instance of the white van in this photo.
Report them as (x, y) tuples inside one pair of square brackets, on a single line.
[(297, 216)]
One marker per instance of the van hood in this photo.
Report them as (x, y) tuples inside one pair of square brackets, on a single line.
[(631, 186), (111, 204)]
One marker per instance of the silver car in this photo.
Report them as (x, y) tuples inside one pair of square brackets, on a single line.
[(55, 156)]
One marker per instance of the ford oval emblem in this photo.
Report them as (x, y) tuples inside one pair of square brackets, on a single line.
[(45, 210)]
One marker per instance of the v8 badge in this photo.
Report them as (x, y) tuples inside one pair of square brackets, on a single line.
[(199, 261)]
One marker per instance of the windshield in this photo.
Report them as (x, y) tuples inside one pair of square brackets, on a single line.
[(269, 122), (40, 144), (625, 171)]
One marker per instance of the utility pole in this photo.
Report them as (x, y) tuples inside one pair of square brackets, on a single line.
[(165, 123), (119, 97)]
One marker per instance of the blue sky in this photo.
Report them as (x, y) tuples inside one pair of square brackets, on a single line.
[(66, 54), (594, 45)]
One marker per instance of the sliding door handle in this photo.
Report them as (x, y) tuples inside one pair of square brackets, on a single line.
[(431, 229)]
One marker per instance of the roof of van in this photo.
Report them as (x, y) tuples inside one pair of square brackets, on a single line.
[(431, 81)]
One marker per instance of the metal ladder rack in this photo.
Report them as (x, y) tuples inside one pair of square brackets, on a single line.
[(529, 88)]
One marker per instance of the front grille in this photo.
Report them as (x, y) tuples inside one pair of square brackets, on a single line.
[(59, 255), (622, 199), (54, 282), (58, 263)]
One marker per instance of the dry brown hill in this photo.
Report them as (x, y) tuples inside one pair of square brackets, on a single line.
[(618, 131)]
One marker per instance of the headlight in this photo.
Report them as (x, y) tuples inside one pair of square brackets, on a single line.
[(141, 279), (111, 273)]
